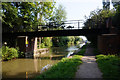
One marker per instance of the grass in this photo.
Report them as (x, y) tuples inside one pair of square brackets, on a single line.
[(109, 66), (82, 51), (66, 68)]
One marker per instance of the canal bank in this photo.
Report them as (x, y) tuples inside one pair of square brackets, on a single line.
[(64, 69)]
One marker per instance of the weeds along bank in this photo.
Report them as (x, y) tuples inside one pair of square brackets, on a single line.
[(109, 66), (66, 68)]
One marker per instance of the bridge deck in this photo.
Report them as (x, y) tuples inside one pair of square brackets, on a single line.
[(75, 32)]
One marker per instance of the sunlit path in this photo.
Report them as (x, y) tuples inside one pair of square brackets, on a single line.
[(89, 67)]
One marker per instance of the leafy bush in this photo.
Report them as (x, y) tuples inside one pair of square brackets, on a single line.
[(66, 68), (21, 54), (109, 65), (9, 53), (46, 42), (42, 45), (78, 40)]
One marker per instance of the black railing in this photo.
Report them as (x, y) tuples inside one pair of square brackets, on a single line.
[(74, 32), (65, 28)]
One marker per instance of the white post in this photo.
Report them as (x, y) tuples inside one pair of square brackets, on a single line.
[(35, 46), (39, 41)]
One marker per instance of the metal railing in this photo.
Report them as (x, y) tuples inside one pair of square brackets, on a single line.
[(63, 25)]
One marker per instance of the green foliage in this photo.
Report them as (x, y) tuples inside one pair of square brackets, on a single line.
[(60, 41), (82, 51), (46, 42), (66, 41), (66, 68), (27, 16), (109, 66), (42, 45), (21, 54), (78, 40), (116, 4), (116, 17), (23, 16), (9, 53), (71, 40), (97, 18), (59, 15), (14, 12), (45, 10)]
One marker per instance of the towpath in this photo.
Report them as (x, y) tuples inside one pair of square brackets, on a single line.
[(89, 67)]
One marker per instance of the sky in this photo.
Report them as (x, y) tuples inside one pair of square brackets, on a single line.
[(77, 9)]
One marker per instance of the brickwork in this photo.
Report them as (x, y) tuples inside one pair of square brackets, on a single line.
[(109, 43)]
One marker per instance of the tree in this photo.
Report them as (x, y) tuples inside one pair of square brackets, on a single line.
[(26, 15), (17, 16), (78, 40), (116, 17), (23, 16), (9, 15), (66, 41), (59, 15), (45, 12), (106, 4), (46, 42), (98, 17)]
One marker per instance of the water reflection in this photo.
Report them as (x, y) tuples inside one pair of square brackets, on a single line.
[(36, 64), (30, 67), (18, 68), (72, 48)]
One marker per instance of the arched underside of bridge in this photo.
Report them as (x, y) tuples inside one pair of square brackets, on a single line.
[(77, 32)]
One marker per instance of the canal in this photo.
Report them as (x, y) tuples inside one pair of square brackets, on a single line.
[(31, 67)]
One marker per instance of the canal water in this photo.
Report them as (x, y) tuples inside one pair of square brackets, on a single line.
[(29, 67)]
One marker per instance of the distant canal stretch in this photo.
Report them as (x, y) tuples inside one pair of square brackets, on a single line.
[(29, 67)]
